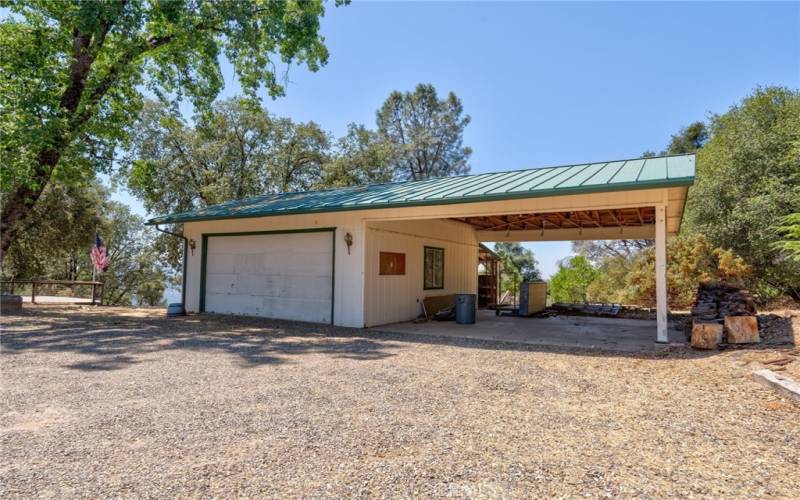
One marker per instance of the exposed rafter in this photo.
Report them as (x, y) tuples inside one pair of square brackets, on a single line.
[(629, 217)]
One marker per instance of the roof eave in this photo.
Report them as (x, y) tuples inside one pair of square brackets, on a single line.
[(626, 186)]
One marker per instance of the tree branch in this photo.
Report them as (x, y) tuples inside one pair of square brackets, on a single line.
[(149, 45)]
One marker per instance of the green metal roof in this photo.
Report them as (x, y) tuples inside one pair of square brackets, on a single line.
[(640, 173)]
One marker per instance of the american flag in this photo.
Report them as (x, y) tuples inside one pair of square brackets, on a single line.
[(99, 255)]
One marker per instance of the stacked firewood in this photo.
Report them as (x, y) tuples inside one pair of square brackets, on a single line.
[(716, 301), (722, 312)]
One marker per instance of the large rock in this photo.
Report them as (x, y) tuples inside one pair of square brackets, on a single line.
[(10, 304), (741, 330), (706, 335)]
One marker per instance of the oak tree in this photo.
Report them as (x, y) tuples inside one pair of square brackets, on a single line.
[(748, 179), (73, 74)]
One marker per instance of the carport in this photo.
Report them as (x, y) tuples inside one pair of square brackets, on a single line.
[(625, 199), (368, 255), (582, 332)]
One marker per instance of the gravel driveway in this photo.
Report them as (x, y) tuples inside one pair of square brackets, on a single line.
[(123, 402)]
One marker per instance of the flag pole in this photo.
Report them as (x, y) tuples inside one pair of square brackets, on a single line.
[(94, 267)]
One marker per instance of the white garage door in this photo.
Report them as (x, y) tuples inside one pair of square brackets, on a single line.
[(286, 276)]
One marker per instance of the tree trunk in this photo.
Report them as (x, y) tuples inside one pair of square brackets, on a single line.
[(24, 199), (84, 49)]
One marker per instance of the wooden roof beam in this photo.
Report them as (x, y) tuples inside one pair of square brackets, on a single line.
[(511, 222), (567, 219), (591, 219), (611, 213)]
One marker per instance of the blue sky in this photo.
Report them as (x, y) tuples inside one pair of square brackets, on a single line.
[(547, 83)]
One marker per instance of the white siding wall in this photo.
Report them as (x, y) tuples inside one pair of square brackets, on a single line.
[(389, 299)]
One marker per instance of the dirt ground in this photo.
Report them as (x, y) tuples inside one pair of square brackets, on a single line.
[(101, 402)]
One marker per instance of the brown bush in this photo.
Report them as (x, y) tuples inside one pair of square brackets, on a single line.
[(691, 261)]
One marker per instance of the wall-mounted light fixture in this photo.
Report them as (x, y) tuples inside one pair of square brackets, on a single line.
[(348, 240), (192, 245)]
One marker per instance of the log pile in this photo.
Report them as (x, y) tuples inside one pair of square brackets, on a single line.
[(716, 301), (727, 306)]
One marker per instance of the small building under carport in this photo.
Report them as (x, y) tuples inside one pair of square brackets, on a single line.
[(490, 268), (368, 255)]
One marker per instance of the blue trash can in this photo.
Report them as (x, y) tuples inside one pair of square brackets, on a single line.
[(465, 308), (175, 309)]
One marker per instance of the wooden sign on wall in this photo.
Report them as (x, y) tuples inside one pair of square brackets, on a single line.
[(392, 263)]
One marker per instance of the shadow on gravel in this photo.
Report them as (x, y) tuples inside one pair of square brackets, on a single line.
[(117, 342), (120, 340)]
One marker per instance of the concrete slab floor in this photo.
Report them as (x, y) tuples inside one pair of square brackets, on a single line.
[(586, 332)]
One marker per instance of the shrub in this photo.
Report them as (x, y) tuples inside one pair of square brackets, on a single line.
[(691, 261), (571, 281)]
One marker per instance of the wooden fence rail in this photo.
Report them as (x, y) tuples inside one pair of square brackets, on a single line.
[(37, 287)]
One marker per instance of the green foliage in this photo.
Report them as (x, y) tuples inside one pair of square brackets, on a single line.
[(56, 240), (178, 167), (748, 177), (236, 150), (789, 229), (361, 158), (297, 155), (519, 265), (609, 285), (510, 277), (135, 275), (571, 282), (522, 259), (73, 73), (597, 251), (630, 277), (425, 133), (612, 259), (692, 260), (688, 139)]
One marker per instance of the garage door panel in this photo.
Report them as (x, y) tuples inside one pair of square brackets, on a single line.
[(221, 283), (309, 287), (302, 263), (277, 244), (221, 263), (232, 245), (250, 264), (315, 263), (287, 276), (250, 284), (317, 311), (304, 287), (274, 286), (225, 303)]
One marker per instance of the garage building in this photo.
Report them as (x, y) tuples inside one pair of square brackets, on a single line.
[(368, 255)]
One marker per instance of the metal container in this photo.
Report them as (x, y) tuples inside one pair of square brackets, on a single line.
[(175, 309), (465, 308), (532, 297)]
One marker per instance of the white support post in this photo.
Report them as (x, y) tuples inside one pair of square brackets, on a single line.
[(661, 274)]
